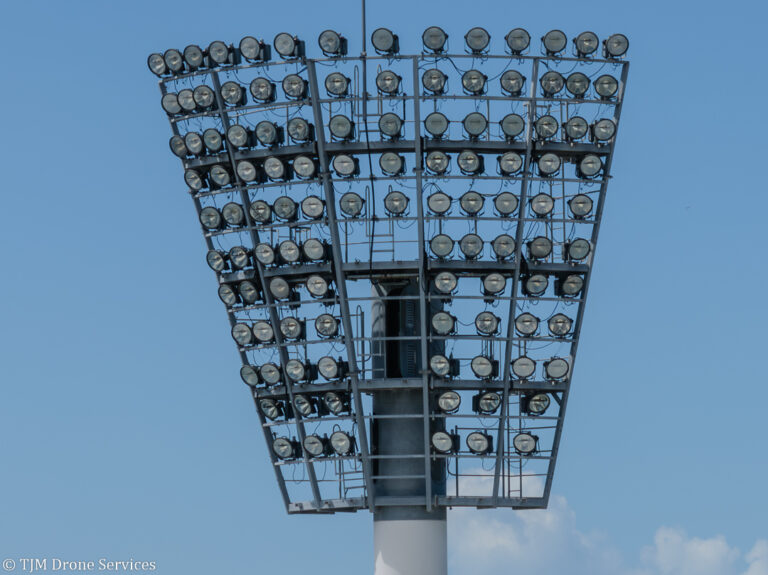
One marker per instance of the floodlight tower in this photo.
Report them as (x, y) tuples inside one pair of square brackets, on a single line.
[(405, 267)]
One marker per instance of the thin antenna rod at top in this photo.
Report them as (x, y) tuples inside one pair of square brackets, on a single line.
[(364, 35)]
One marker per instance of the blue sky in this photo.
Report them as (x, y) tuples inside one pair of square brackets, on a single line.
[(126, 432)]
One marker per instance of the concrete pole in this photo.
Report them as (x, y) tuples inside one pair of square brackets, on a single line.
[(417, 546)]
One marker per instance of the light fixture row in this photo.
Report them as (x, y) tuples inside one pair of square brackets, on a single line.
[(481, 443)]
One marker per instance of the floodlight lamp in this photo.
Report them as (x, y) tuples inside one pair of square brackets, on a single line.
[(576, 128), (512, 125), (487, 323), (440, 365), (396, 203), (303, 404), (252, 49), (291, 328), (351, 204), (470, 163), (326, 325), (436, 124), (287, 46), (536, 404), (443, 323), (479, 443), (577, 84), (487, 402), (170, 103), (439, 203), (552, 83), (279, 288), (218, 53), (434, 81), (442, 442), (526, 324), (295, 370), (384, 41), (475, 124), (523, 367), (249, 375), (174, 60), (505, 202), (586, 43), (477, 40), (314, 445), (494, 283), (434, 39), (437, 162), (260, 212), (178, 147), (473, 82), (194, 180), (554, 41), (518, 40), (606, 86), (341, 443), (578, 249), (312, 207), (267, 133), (471, 203), (329, 369), (503, 246), (484, 367), (390, 125), (262, 90), (204, 97), (525, 443), (216, 260), (263, 332), (242, 334), (228, 295), (556, 368), (571, 285), (391, 164), (388, 82), (542, 205), (590, 166), (449, 401), (341, 127), (549, 164), (248, 292), (284, 448), (246, 171), (332, 43), (304, 167), (237, 136), (512, 82), (213, 140), (546, 127), (535, 285), (446, 282), (345, 166), (232, 93), (580, 205), (240, 257), (603, 130), (275, 169), (156, 64), (336, 84), (193, 143), (616, 45), (540, 248), (299, 130), (270, 374), (441, 245), (317, 286), (289, 251), (187, 100), (219, 175), (559, 325), (270, 408), (233, 214), (294, 86), (211, 218), (285, 208), (471, 245)]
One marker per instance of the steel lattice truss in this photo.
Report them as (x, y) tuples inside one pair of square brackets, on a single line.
[(376, 247)]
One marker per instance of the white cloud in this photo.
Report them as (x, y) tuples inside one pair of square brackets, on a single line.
[(548, 542)]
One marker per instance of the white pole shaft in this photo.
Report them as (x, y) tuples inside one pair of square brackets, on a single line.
[(411, 547)]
